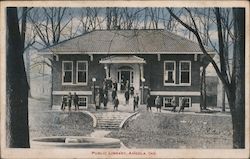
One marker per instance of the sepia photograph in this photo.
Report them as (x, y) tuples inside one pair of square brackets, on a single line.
[(124, 81)]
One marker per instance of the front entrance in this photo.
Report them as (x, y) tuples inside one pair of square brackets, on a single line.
[(123, 68), (125, 77)]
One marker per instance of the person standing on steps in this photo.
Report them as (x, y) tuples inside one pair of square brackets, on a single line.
[(158, 103), (105, 101), (126, 96), (115, 85), (136, 101), (97, 100), (76, 99), (114, 94), (116, 103), (69, 98)]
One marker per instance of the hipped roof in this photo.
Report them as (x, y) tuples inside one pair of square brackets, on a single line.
[(127, 42)]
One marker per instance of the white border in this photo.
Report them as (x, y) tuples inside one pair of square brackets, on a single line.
[(87, 153)]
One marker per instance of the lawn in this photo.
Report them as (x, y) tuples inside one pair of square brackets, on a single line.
[(44, 122), (176, 130)]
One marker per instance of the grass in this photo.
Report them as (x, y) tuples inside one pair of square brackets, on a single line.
[(165, 130), (43, 122)]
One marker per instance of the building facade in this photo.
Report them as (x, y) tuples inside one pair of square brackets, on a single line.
[(152, 61)]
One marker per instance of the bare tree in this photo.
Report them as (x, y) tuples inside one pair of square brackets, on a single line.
[(49, 25), (235, 87), (17, 85)]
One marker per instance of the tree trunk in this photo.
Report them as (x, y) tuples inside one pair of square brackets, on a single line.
[(223, 99), (203, 97), (204, 88), (27, 57), (17, 129), (201, 90), (51, 88), (238, 114)]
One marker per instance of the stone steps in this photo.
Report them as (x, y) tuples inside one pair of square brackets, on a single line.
[(110, 120)]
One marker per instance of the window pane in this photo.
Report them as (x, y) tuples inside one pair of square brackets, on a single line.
[(169, 78), (185, 65), (169, 66), (67, 76), (83, 101), (185, 77), (67, 66), (82, 77), (167, 101), (82, 66), (186, 102)]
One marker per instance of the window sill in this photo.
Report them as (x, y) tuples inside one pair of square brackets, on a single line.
[(177, 85), (74, 84)]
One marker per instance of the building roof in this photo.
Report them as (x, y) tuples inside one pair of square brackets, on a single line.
[(126, 42)]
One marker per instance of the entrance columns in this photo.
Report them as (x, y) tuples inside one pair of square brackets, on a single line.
[(106, 70), (142, 71)]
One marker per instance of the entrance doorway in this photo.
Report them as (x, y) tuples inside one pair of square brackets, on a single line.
[(125, 75)]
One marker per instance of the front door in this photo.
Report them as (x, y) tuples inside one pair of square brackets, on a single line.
[(125, 76)]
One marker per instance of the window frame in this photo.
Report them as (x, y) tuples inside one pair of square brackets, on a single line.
[(163, 102), (174, 73), (63, 73), (190, 101), (82, 96), (77, 70), (190, 73)]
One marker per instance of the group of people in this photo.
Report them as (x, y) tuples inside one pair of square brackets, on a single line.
[(157, 103), (68, 100), (102, 98), (102, 94), (150, 102), (183, 103)]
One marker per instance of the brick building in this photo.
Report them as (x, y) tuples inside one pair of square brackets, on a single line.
[(157, 60)]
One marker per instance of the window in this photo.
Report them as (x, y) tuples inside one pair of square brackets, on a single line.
[(83, 101), (185, 72), (167, 101), (169, 72), (67, 68), (186, 101), (81, 72)]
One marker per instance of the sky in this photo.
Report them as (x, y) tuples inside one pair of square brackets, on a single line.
[(74, 20)]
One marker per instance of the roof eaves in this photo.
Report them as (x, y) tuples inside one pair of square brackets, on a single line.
[(47, 49)]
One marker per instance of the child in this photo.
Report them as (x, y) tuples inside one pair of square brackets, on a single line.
[(183, 102), (76, 99), (158, 103), (149, 103), (105, 101), (64, 102), (69, 100), (173, 103), (136, 101)]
